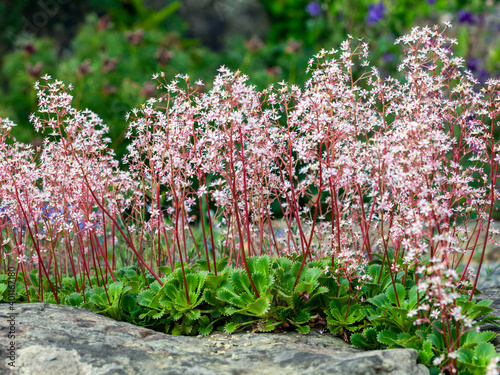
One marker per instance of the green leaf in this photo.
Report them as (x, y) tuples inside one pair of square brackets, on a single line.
[(391, 294), (283, 263), (176, 314), (194, 284), (193, 314), (484, 352), (205, 331), (478, 311), (338, 304), (295, 269), (3, 288), (300, 317), (99, 298), (226, 295), (282, 312), (74, 299), (262, 264), (374, 271), (321, 290), (311, 275), (372, 289), (437, 342), (359, 341), (303, 329), (466, 356), (259, 307), (229, 310), (371, 334), (404, 336), (210, 297), (114, 291), (154, 20), (205, 325), (388, 337), (240, 281), (425, 357), (155, 302), (133, 285), (171, 290), (155, 287), (477, 337), (231, 327), (128, 304), (380, 300), (144, 298), (269, 325), (176, 331), (262, 282), (466, 305), (166, 270), (150, 313), (304, 287), (486, 336), (158, 314), (213, 282), (166, 302), (484, 302), (427, 346)]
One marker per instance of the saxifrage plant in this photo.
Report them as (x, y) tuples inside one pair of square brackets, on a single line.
[(365, 325), (383, 191)]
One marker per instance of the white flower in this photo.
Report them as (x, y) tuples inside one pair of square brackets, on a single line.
[(202, 190), (424, 307), (492, 367), (412, 313), (436, 361)]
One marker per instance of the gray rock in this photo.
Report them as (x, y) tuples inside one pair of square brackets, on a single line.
[(490, 273), (54, 340)]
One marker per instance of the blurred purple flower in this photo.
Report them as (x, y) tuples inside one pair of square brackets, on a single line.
[(426, 65), (431, 2), (388, 57), (314, 8), (2, 210), (483, 75), (376, 12), (470, 120), (466, 17), (473, 64)]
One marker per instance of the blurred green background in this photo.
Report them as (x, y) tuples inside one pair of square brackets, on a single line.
[(109, 49)]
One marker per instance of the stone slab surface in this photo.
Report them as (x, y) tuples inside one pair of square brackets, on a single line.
[(64, 340)]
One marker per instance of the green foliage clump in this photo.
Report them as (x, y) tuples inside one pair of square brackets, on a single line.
[(375, 314)]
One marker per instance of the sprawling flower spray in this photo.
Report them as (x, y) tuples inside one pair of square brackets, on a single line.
[(358, 166)]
